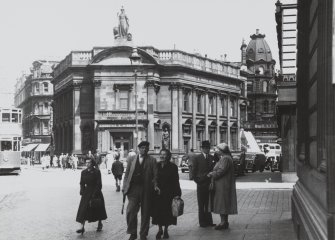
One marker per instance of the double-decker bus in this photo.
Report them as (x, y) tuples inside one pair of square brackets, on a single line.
[(10, 140)]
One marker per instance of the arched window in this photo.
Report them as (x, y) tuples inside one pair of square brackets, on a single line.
[(265, 86), (265, 106)]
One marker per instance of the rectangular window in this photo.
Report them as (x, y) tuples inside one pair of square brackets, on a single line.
[(6, 146), (37, 87), (45, 127), (15, 117), (46, 108), (199, 110), (223, 136), (5, 117), (186, 102), (46, 87), (211, 106), (124, 100)]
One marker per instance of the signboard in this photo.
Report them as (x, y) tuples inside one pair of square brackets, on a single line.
[(120, 116)]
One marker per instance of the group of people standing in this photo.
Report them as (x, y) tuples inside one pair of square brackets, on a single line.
[(151, 184), (65, 161), (216, 188)]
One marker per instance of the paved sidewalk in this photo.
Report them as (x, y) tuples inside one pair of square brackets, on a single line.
[(42, 205)]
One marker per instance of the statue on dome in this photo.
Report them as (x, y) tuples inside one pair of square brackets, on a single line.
[(123, 24)]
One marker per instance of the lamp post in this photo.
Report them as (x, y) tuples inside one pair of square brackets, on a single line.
[(135, 59)]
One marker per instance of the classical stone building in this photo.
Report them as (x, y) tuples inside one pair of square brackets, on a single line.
[(33, 93), (313, 198), (257, 65), (183, 99), (286, 18)]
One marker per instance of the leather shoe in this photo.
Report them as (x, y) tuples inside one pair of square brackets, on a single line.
[(133, 236)]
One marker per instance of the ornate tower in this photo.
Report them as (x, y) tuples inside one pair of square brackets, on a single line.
[(261, 88)]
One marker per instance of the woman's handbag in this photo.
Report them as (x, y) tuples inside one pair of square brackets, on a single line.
[(177, 207)]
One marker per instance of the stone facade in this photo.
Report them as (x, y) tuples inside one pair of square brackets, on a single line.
[(286, 18), (257, 66), (182, 99), (33, 94), (313, 198)]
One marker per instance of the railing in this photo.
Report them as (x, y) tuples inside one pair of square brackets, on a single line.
[(74, 58), (197, 62)]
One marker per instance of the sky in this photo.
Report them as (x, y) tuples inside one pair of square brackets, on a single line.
[(49, 30)]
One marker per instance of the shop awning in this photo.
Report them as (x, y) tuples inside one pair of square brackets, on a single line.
[(29, 147), (42, 147)]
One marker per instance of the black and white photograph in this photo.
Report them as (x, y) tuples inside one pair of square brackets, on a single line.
[(179, 119)]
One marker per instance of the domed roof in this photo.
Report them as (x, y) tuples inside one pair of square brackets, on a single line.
[(258, 48)]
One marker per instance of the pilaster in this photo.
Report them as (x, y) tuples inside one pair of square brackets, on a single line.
[(76, 134), (194, 119), (217, 97), (180, 118), (228, 121), (174, 117), (206, 114)]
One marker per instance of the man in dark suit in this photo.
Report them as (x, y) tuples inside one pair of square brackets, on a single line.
[(203, 163), (139, 182)]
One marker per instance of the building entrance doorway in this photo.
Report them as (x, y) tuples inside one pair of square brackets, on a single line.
[(121, 142)]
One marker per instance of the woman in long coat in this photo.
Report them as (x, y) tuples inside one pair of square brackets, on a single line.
[(168, 184), (90, 188), (224, 201)]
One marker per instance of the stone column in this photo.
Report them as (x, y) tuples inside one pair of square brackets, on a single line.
[(97, 87), (150, 84), (206, 108), (228, 121), (180, 120), (194, 119), (174, 117), (218, 103), (76, 134)]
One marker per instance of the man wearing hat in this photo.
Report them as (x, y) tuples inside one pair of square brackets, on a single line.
[(139, 182), (203, 163)]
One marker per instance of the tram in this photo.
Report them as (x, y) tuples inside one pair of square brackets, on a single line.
[(10, 140)]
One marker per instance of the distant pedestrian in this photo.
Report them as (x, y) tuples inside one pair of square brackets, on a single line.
[(64, 161), (168, 184), (55, 160), (139, 182), (75, 162), (90, 191), (225, 200), (109, 161), (202, 165), (117, 170)]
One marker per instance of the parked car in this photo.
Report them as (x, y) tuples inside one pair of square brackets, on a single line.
[(255, 161), (275, 163), (238, 168)]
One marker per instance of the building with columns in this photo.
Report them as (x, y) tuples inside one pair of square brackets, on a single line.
[(257, 65), (182, 99), (33, 93)]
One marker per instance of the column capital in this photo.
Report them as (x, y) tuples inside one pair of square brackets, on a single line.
[(152, 83), (97, 83), (76, 85), (174, 86)]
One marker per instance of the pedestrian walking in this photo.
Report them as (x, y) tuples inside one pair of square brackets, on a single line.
[(109, 160), (202, 165), (139, 182), (117, 170), (225, 200), (75, 162), (168, 184), (92, 204), (64, 161), (55, 161)]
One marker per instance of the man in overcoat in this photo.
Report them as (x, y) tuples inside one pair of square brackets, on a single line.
[(203, 163), (139, 182)]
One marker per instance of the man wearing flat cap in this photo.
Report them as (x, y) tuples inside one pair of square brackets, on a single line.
[(203, 163), (139, 182)]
